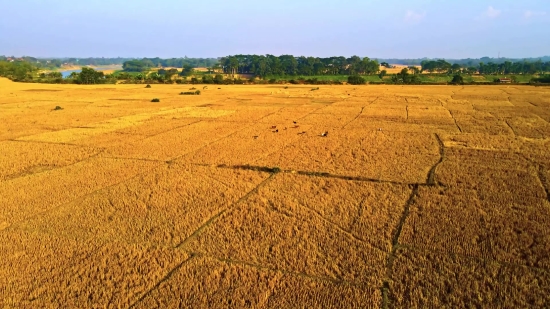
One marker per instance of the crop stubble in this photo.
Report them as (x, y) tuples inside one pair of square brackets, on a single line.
[(417, 196)]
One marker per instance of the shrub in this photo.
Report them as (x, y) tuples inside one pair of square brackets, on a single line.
[(356, 80), (207, 79), (58, 108), (155, 100), (542, 79), (457, 79), (148, 86), (218, 79), (198, 92), (272, 81)]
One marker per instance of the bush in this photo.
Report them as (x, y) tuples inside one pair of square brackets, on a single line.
[(207, 79), (218, 79), (148, 86), (542, 79), (356, 80), (272, 81), (457, 79), (198, 92), (58, 108), (155, 100)]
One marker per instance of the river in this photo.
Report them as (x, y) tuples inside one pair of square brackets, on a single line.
[(66, 73)]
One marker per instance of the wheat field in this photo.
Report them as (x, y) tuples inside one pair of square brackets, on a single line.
[(250, 196)]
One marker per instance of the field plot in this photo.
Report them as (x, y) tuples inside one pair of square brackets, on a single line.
[(274, 196)]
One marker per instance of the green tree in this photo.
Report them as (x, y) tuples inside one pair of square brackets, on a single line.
[(90, 76), (457, 79), (218, 79), (207, 79), (187, 70), (356, 80)]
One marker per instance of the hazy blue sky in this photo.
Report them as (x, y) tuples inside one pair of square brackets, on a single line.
[(212, 28)]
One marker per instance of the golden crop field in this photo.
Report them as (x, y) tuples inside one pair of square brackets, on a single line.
[(274, 196)]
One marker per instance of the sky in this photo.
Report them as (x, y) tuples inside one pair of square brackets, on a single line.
[(215, 28)]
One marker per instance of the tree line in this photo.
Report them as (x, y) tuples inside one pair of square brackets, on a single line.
[(53, 63), (506, 67), (140, 65), (269, 65), (465, 62), (17, 70)]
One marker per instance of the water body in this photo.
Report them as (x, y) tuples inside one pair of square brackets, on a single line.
[(65, 74), (68, 72)]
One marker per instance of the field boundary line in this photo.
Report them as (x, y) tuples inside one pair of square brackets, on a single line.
[(511, 128), (360, 210), (162, 280), (540, 175), (431, 174), (35, 215), (453, 116), (223, 137), (173, 129), (544, 181), (313, 174), (50, 143), (395, 246), (216, 216), (317, 109), (23, 174), (338, 227), (354, 118), (135, 159), (404, 215), (282, 271), (423, 250)]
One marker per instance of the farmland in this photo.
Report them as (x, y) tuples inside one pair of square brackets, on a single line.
[(274, 196)]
